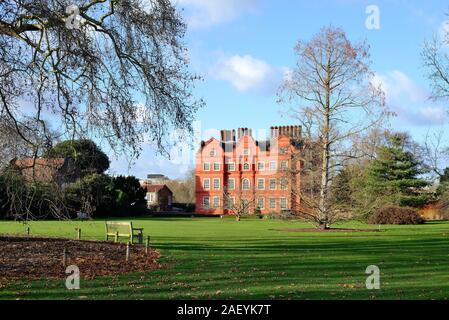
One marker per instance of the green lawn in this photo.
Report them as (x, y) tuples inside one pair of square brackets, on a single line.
[(223, 259)]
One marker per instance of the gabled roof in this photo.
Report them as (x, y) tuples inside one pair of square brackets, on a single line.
[(155, 187)]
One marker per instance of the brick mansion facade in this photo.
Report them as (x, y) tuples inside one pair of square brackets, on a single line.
[(239, 172)]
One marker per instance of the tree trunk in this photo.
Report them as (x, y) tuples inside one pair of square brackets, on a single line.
[(323, 226), (323, 205)]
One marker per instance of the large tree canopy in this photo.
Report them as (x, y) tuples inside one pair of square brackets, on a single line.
[(394, 177), (88, 157), (116, 69)]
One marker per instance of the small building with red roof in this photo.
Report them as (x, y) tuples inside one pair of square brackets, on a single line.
[(159, 197)]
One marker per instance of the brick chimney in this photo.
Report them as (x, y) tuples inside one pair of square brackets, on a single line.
[(244, 132), (293, 132), (228, 135)]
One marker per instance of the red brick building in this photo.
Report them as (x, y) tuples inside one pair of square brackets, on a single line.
[(240, 172), (61, 171)]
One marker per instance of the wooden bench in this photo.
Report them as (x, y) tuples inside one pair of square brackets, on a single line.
[(123, 230)]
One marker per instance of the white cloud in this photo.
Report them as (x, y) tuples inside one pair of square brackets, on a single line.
[(408, 100), (205, 13), (397, 85), (435, 115), (245, 73)]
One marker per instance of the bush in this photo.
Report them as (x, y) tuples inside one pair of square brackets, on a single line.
[(187, 207), (93, 195), (26, 201), (284, 215), (444, 200), (100, 195), (396, 215)]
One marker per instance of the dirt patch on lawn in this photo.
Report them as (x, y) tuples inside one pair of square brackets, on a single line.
[(310, 230), (40, 258)]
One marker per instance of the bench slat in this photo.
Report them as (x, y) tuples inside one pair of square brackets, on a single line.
[(122, 230)]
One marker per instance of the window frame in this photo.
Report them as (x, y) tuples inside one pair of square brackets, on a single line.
[(204, 202), (286, 203), (275, 184), (275, 203), (229, 168), (204, 185), (258, 185), (204, 166), (286, 166), (151, 197), (243, 184), (263, 203), (213, 184), (229, 180), (213, 202), (284, 186)]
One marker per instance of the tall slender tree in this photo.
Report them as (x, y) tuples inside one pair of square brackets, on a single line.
[(331, 88)]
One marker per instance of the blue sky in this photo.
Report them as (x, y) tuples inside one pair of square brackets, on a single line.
[(243, 47)]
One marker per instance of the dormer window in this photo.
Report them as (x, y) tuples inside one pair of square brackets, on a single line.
[(213, 153), (246, 152)]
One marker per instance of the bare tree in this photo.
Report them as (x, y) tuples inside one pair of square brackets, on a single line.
[(111, 69), (238, 204), (335, 99), (26, 141), (23, 200), (436, 61), (435, 153)]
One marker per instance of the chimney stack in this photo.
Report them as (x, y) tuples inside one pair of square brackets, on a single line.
[(227, 135), (244, 132), (274, 132), (288, 131)]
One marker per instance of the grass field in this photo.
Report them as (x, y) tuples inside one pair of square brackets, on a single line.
[(222, 259)]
